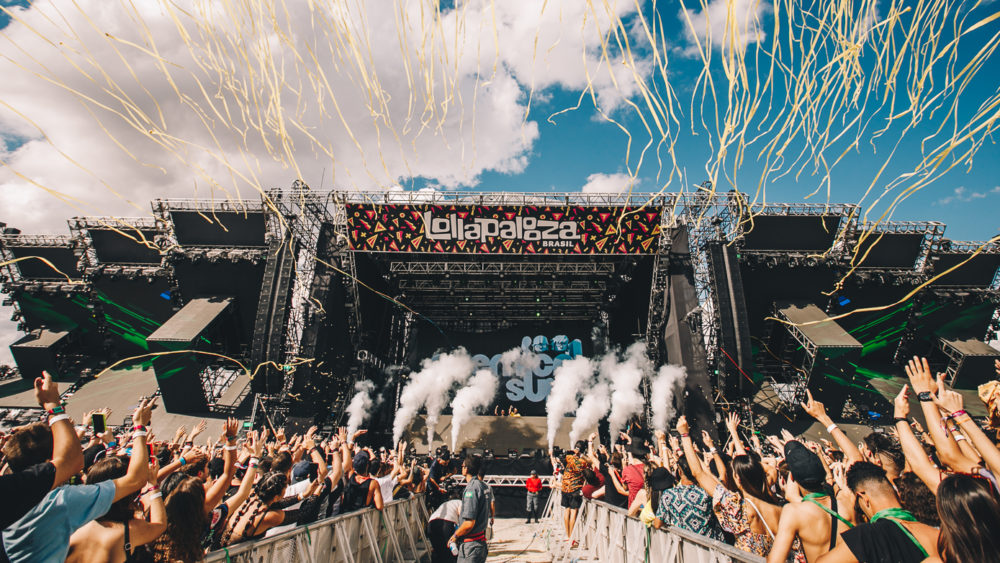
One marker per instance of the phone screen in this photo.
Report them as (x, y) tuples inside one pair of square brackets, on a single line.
[(98, 419)]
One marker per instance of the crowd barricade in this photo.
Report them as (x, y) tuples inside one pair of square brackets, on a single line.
[(396, 534), (606, 533)]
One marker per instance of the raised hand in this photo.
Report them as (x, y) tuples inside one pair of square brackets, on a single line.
[(919, 372), (144, 412), (901, 404), (154, 469), (46, 391), (256, 445), (707, 440), (197, 430), (230, 428), (732, 422), (948, 401), (813, 407), (682, 425)]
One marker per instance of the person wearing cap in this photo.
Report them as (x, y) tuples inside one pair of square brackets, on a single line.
[(572, 483), (816, 520), (470, 537), (362, 491), (534, 487)]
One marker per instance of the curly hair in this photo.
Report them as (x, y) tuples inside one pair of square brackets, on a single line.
[(184, 497), (917, 498)]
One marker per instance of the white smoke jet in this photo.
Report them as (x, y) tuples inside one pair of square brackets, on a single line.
[(668, 382), (569, 378), (360, 406), (430, 388), (625, 378), (518, 361), (478, 394), (593, 408)]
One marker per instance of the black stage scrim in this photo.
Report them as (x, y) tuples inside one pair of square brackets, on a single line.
[(114, 247), (62, 257), (479, 229), (793, 232), (548, 344), (38, 351), (219, 228)]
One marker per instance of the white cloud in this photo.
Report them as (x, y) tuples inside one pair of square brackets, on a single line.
[(600, 183), (724, 24), (962, 194), (124, 110)]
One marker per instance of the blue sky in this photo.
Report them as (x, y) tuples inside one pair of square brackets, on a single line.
[(580, 144)]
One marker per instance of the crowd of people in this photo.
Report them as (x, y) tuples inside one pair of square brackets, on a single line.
[(900, 495), (70, 493)]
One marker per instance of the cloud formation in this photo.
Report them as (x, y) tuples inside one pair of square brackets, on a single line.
[(607, 183), (724, 25), (963, 195)]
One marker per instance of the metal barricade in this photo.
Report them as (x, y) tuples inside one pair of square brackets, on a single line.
[(396, 534), (607, 534)]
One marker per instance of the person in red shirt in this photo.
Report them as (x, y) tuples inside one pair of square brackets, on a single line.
[(534, 486), (635, 474)]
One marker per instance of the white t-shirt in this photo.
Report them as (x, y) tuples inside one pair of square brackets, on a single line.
[(449, 511), (295, 489), (387, 484)]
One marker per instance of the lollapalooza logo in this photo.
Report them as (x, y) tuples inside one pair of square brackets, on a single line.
[(532, 381), (455, 226)]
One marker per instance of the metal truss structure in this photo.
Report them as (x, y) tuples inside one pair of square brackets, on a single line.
[(508, 480), (487, 267), (932, 231), (80, 228)]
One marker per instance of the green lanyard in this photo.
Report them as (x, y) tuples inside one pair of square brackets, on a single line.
[(811, 497), (895, 515)]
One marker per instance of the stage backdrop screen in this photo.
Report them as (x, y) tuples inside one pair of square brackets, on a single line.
[(527, 383), (480, 229)]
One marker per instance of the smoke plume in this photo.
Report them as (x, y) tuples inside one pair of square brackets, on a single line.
[(593, 408), (668, 382), (625, 377), (430, 388), (569, 378), (360, 407), (478, 394)]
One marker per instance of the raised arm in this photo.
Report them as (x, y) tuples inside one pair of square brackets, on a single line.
[(951, 404), (138, 467), (816, 410), (733, 425), (141, 531), (67, 455), (256, 445), (919, 372), (704, 479), (720, 465), (214, 494), (919, 463)]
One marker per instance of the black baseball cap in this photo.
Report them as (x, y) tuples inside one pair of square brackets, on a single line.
[(805, 466)]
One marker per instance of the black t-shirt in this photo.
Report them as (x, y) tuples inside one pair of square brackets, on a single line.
[(611, 494), (882, 542), (21, 491)]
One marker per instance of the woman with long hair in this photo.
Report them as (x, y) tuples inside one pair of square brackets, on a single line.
[(751, 511), (184, 497), (258, 515), (969, 509), (115, 536)]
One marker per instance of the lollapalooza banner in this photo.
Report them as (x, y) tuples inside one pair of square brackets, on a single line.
[(481, 229), (527, 385)]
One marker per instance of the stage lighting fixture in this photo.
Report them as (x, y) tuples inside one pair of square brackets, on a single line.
[(488, 453), (512, 454)]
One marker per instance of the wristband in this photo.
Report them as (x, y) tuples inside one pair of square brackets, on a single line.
[(684, 435), (139, 433), (831, 428), (713, 451), (230, 437), (229, 448), (155, 494), (113, 444), (183, 461), (189, 443), (925, 396), (254, 461), (958, 437), (57, 418), (958, 413), (57, 410), (899, 419), (138, 428)]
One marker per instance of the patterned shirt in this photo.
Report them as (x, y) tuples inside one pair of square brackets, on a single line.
[(730, 509), (572, 480), (690, 508)]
